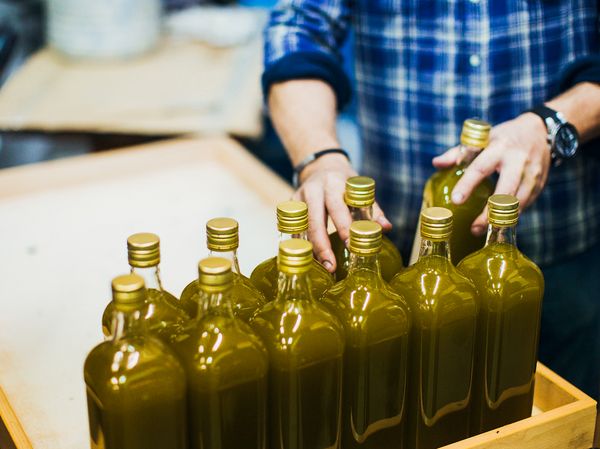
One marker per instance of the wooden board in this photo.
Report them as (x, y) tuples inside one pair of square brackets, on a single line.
[(181, 87), (64, 225)]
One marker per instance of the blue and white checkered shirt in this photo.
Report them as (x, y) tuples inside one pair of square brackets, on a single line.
[(423, 67)]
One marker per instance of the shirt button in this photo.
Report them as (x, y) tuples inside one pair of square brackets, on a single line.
[(475, 60)]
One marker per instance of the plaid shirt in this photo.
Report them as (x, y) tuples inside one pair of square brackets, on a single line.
[(423, 67)]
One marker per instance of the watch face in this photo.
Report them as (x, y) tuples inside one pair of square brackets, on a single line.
[(567, 141)]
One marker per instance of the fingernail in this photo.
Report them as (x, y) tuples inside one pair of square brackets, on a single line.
[(346, 243), (457, 197), (477, 230), (328, 265)]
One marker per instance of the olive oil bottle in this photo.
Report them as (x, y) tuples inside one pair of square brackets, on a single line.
[(306, 346), (377, 325), (292, 222), (226, 366), (444, 311), (511, 288), (135, 386), (164, 313), (359, 197), (222, 240), (474, 138)]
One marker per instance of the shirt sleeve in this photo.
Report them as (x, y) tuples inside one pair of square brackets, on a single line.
[(586, 69), (303, 40)]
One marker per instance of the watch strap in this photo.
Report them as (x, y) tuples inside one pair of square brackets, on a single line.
[(313, 157)]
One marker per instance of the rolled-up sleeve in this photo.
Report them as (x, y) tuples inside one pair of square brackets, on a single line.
[(303, 40)]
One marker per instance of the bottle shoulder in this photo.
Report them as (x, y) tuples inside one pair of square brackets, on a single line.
[(435, 285), (302, 331), (132, 363)]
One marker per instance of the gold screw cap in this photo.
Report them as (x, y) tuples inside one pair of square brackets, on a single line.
[(214, 274), (295, 256), (365, 237), (128, 292), (143, 250), (436, 223), (475, 133), (503, 210), (292, 217), (360, 191), (222, 234)]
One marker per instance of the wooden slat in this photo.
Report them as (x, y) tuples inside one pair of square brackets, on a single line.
[(12, 434)]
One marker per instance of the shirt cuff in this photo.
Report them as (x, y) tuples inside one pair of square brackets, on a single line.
[(309, 65), (581, 70)]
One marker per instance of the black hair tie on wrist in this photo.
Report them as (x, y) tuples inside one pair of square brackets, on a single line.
[(313, 157)]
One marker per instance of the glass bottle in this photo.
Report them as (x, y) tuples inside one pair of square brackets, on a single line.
[(135, 386), (306, 345), (360, 197), (226, 366), (222, 240), (444, 310), (164, 314), (377, 324), (474, 138), (292, 222), (511, 289)]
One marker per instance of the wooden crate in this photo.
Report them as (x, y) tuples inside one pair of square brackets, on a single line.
[(65, 224)]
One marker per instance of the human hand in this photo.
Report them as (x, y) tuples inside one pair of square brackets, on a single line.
[(518, 151), (322, 186)]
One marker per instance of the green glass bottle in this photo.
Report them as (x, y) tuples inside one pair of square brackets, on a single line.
[(164, 313), (222, 240), (360, 197), (474, 138), (226, 366), (135, 386), (377, 325), (306, 345), (292, 222), (511, 289), (444, 311)]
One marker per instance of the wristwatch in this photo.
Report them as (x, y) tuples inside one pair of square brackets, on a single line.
[(311, 158), (562, 136)]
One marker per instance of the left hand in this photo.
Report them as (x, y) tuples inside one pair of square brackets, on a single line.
[(518, 151)]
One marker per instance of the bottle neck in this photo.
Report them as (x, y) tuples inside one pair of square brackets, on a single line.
[(151, 276), (127, 324), (283, 236), (439, 248), (467, 154), (362, 262), (497, 234), (361, 213), (294, 287), (230, 256), (215, 303)]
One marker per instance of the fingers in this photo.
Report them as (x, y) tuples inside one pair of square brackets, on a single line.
[(482, 166), (447, 159), (380, 218), (317, 225), (338, 211), (479, 225)]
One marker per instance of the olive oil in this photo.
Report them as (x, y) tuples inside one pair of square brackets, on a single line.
[(511, 288), (135, 385), (227, 368), (292, 222), (222, 240), (438, 190), (444, 310), (163, 313), (377, 326), (306, 346), (360, 197)]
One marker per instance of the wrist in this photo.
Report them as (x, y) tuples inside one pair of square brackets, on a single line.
[(328, 162)]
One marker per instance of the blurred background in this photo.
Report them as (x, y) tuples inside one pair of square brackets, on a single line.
[(82, 76)]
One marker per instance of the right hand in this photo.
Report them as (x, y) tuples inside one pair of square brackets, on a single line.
[(322, 186)]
